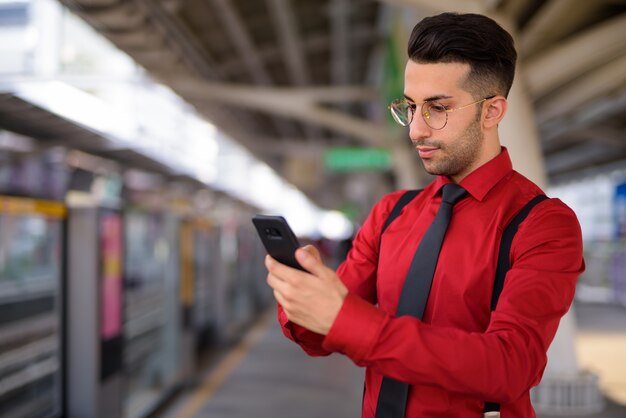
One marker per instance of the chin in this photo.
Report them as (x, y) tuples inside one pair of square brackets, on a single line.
[(432, 168)]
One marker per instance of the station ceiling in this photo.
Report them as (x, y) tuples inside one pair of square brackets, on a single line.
[(292, 79)]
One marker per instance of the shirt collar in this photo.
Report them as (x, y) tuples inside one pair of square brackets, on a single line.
[(480, 181)]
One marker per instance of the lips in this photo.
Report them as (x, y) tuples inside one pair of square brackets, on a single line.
[(426, 152)]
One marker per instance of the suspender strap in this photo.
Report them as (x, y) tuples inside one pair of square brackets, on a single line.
[(395, 212), (504, 265), (400, 204), (505, 247)]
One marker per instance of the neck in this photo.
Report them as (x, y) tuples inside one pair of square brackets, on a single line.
[(491, 149)]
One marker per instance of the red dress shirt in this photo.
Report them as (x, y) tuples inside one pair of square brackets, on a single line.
[(459, 355)]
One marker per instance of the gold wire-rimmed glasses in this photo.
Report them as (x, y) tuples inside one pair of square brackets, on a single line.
[(434, 113)]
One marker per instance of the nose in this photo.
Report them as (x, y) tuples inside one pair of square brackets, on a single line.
[(418, 129)]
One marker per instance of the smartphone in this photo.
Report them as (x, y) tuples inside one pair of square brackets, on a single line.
[(278, 239)]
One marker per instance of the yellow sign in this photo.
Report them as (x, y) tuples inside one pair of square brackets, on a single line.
[(25, 206)]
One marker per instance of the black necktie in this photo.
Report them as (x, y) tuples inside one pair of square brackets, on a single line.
[(393, 394)]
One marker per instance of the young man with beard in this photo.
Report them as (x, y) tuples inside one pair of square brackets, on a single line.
[(456, 356)]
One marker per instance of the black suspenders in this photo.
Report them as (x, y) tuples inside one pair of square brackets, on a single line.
[(503, 255)]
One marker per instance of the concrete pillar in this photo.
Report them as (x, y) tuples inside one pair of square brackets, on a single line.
[(518, 132)]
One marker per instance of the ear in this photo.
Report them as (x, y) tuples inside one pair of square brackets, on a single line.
[(495, 110)]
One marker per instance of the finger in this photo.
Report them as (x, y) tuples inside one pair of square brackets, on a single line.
[(285, 302), (312, 264), (269, 262), (311, 249), (281, 300), (272, 265), (277, 283), (283, 271)]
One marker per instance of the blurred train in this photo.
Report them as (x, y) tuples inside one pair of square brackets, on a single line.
[(115, 283)]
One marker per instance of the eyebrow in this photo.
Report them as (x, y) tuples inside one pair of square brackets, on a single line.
[(431, 98)]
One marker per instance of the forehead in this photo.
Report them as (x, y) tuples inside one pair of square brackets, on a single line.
[(424, 81)]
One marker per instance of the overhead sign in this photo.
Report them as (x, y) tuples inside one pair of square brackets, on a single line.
[(357, 159)]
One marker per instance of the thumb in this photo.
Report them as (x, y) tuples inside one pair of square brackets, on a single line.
[(313, 251), (311, 261)]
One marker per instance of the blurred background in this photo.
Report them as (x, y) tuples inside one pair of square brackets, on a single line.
[(138, 137)]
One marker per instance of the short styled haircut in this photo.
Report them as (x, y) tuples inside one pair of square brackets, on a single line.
[(471, 39)]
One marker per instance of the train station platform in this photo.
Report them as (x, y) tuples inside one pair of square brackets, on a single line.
[(266, 375)]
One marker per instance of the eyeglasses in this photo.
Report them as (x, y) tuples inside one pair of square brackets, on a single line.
[(434, 113)]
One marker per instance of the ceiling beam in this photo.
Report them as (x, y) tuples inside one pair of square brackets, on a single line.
[(363, 130), (159, 61), (118, 16), (340, 47), (542, 29), (585, 154), (598, 84), (289, 40), (572, 58), (602, 136), (299, 104), (179, 38), (313, 43), (291, 47), (242, 41), (191, 52), (513, 9), (596, 115), (240, 94), (142, 38), (436, 6), (283, 147)]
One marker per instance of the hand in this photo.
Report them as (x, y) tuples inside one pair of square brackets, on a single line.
[(310, 299)]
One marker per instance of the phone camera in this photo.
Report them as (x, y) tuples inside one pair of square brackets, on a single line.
[(272, 232)]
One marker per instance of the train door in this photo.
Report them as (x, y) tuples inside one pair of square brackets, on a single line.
[(31, 258), (151, 311), (94, 312)]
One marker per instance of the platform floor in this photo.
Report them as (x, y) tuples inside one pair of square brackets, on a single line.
[(268, 376)]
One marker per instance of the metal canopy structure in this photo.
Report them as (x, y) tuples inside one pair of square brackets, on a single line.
[(23, 117), (290, 79)]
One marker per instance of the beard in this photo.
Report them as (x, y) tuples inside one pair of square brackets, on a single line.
[(459, 155)]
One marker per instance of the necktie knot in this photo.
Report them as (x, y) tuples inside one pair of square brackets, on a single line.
[(452, 193)]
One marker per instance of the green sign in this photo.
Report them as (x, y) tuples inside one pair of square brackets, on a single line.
[(357, 159)]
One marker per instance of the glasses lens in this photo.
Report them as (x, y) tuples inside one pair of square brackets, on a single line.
[(401, 112), (434, 115)]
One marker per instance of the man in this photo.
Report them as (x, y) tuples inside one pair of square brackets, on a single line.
[(459, 355)]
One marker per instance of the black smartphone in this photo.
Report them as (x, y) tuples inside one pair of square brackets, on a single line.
[(278, 238)]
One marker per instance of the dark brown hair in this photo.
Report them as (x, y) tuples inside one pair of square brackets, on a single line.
[(472, 39)]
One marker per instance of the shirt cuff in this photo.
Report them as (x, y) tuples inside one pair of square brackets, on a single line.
[(356, 328), (310, 342)]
